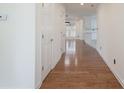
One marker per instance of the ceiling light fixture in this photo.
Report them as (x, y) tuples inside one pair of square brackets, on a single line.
[(82, 4)]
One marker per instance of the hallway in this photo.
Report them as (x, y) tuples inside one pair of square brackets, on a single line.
[(80, 67)]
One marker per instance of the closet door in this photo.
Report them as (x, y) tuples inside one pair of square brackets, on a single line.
[(63, 30), (46, 40)]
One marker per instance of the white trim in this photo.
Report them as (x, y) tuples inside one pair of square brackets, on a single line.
[(114, 73), (38, 85), (118, 78)]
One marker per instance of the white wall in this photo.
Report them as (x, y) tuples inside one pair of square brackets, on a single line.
[(90, 28), (111, 36), (23, 51), (17, 46)]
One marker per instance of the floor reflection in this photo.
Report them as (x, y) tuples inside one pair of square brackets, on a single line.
[(70, 57), (67, 61), (76, 61), (70, 46)]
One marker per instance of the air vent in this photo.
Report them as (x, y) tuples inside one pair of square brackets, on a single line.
[(67, 22)]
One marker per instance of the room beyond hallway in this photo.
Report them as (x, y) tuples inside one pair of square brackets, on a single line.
[(80, 67)]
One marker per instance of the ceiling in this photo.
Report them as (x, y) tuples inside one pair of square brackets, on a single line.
[(81, 10)]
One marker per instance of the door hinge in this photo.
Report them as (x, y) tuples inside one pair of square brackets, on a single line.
[(42, 4), (42, 68), (42, 36)]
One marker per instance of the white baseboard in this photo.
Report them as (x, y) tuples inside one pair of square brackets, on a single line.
[(118, 78), (38, 85), (115, 74)]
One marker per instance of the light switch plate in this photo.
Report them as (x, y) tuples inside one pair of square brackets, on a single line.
[(3, 17)]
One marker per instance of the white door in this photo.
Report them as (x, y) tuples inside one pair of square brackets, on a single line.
[(46, 41), (46, 55)]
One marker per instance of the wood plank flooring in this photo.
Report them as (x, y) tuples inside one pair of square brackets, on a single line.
[(81, 67)]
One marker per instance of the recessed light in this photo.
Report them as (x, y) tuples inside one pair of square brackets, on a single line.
[(82, 4)]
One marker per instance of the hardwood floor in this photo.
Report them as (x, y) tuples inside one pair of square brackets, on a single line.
[(80, 67)]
